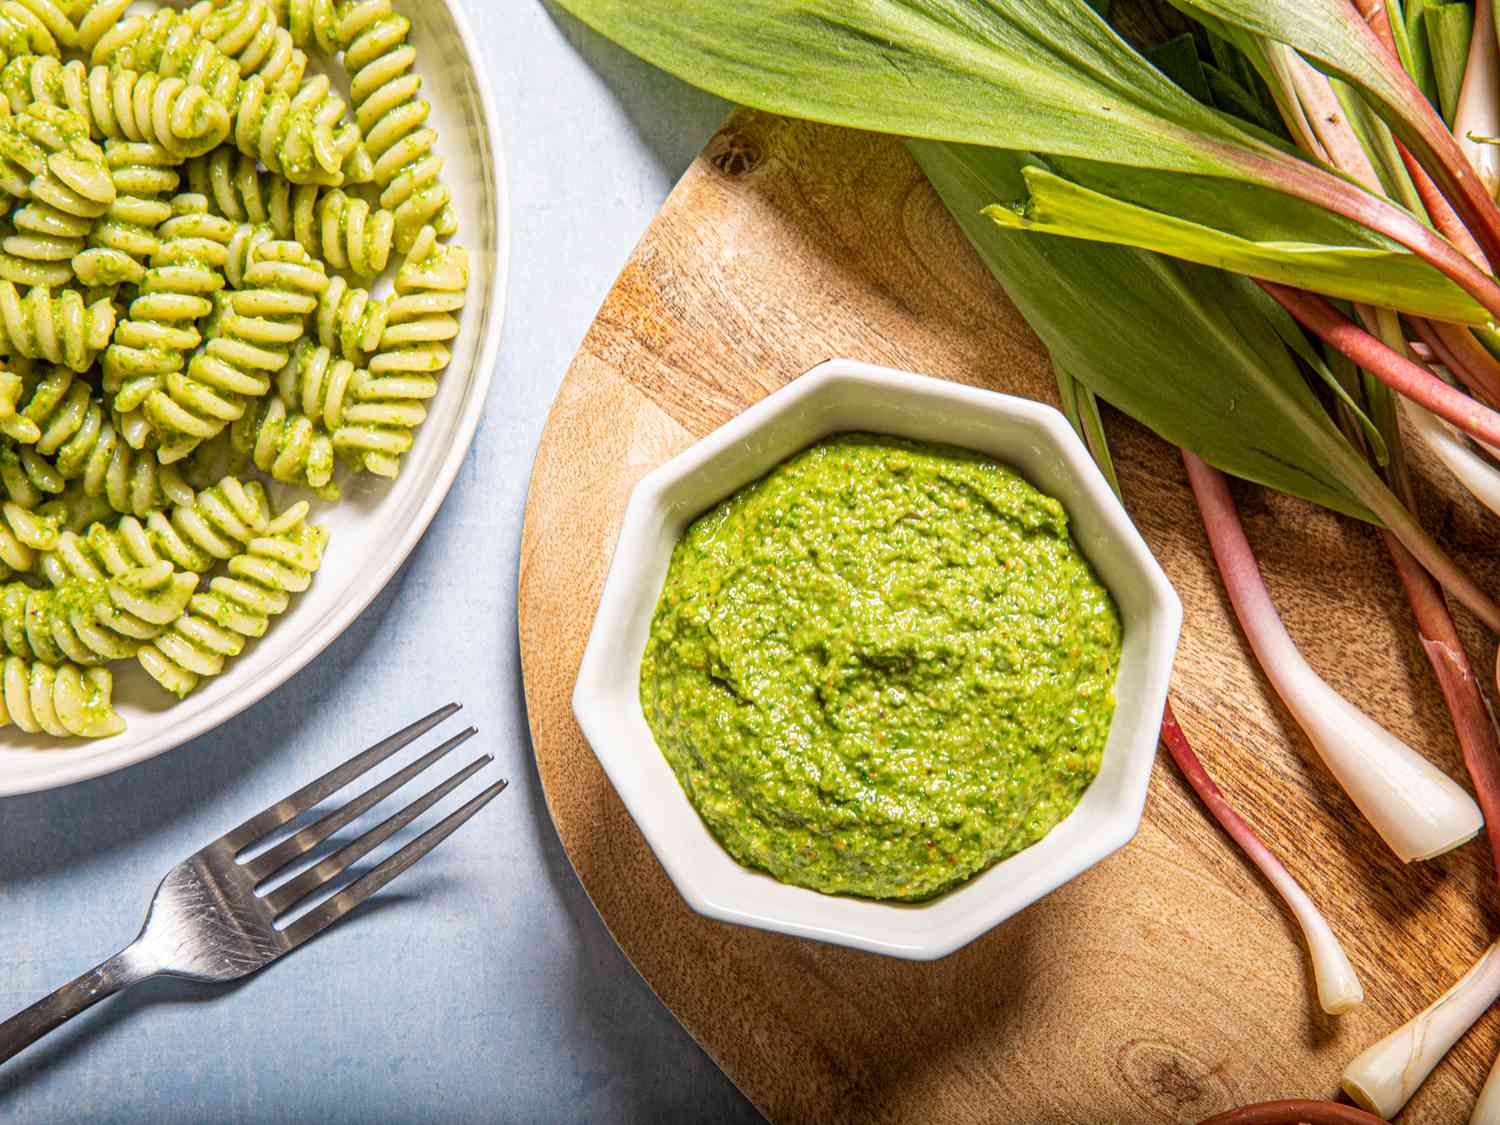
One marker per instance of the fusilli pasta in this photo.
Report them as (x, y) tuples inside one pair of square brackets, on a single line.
[(187, 270), (392, 115), (79, 441), (237, 605), (55, 326), (420, 319), (93, 621), (276, 284), (123, 241), (120, 104), (296, 133), (343, 230), (46, 155), (196, 166), (33, 27), (61, 700)]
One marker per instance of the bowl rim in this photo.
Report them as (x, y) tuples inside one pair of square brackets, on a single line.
[(1110, 828), (330, 627)]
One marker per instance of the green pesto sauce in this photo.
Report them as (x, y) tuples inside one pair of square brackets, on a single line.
[(882, 668)]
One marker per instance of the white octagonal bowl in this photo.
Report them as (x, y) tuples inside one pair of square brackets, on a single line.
[(837, 397)]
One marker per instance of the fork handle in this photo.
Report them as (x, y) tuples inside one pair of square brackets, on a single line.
[(125, 968)]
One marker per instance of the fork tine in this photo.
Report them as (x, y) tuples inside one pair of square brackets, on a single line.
[(269, 862), (362, 888), (335, 779), (308, 882)]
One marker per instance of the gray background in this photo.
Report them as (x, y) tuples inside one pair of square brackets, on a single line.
[(484, 986)]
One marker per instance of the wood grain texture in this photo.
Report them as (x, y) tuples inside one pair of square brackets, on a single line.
[(1164, 985)]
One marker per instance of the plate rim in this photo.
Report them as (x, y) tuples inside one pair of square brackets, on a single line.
[(334, 625)]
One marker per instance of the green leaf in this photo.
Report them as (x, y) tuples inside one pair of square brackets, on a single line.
[(1293, 337), (1045, 75), (1081, 406), (1178, 59), (1376, 139), (1040, 75), (1332, 35), (1181, 348), (1235, 98), (1392, 279), (1410, 33), (1449, 28)]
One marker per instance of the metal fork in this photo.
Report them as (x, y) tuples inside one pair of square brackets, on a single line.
[(208, 922)]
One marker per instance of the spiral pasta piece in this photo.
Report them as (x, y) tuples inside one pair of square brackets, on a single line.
[(78, 441), (120, 104), (62, 700), (420, 318), (26, 530), (210, 527), (310, 23), (296, 133), (39, 243), (33, 27), (350, 321), (58, 328), (239, 604), (187, 270), (249, 33), (124, 240), (299, 135), (46, 155), (392, 115), (93, 621), (289, 435), (92, 19), (276, 285), (345, 231), (12, 389), (286, 445)]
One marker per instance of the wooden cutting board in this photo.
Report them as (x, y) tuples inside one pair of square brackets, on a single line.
[(1163, 985)]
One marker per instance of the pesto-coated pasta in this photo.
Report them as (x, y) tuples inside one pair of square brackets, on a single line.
[(310, 23), (275, 286), (120, 104), (286, 445), (91, 20), (78, 440), (62, 700), (187, 270), (93, 621), (296, 133), (350, 321), (193, 535), (46, 155), (237, 605), (392, 115), (56, 327), (196, 234), (123, 241), (33, 27), (345, 231), (26, 530), (38, 243), (12, 425), (247, 31), (420, 319)]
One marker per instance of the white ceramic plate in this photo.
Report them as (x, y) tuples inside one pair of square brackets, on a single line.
[(376, 525)]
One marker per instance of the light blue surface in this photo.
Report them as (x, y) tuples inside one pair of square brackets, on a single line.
[(483, 987)]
